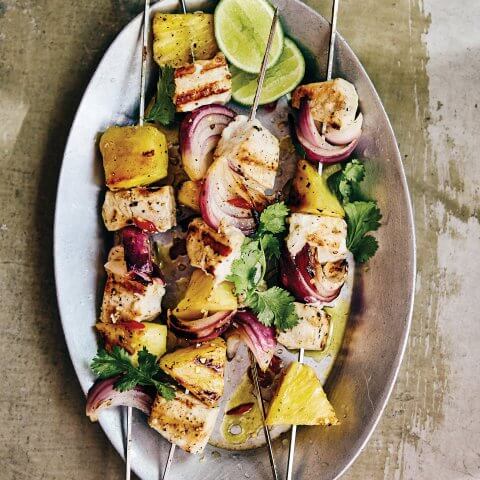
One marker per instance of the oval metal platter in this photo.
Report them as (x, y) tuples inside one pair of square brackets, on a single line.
[(366, 367)]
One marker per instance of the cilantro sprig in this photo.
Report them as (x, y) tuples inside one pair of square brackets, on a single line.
[(147, 373), (163, 111), (362, 215), (273, 306)]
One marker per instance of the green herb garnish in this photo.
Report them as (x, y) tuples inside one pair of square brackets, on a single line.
[(274, 305), (163, 111), (362, 215), (148, 373)]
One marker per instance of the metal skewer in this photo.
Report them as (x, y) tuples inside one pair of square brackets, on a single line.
[(171, 452), (301, 352), (253, 363), (128, 440), (263, 68), (266, 431)]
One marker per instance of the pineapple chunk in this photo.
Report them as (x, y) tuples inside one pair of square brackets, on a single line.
[(176, 35), (203, 297), (133, 336), (133, 156), (199, 369), (300, 399), (189, 195), (310, 193), (183, 421)]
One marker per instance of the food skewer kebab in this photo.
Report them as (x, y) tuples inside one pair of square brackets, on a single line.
[(253, 361), (146, 21), (301, 351), (251, 119)]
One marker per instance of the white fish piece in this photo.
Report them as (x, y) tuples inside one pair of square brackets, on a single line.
[(334, 102), (327, 235), (311, 332), (124, 297), (202, 83), (152, 209), (250, 150), (213, 251), (183, 421)]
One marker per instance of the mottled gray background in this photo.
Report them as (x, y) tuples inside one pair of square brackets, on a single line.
[(424, 58)]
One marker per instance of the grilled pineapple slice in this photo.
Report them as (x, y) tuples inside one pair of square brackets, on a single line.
[(133, 156), (176, 35), (189, 195), (183, 421), (133, 336), (300, 399), (199, 369), (310, 193), (203, 297)]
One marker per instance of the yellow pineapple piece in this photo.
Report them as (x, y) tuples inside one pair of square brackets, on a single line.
[(176, 35), (199, 369), (133, 336), (300, 399), (311, 194), (133, 156), (189, 195), (203, 297)]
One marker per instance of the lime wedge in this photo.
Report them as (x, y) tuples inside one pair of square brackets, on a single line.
[(241, 30), (280, 79)]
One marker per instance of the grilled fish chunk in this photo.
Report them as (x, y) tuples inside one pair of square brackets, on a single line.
[(213, 251), (311, 333), (334, 102), (183, 421), (150, 209), (327, 235), (126, 297), (202, 83), (251, 151)]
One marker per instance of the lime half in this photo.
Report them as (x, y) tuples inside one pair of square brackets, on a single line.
[(241, 30), (280, 79)]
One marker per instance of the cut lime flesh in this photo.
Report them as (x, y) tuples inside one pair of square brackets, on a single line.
[(241, 31), (280, 79)]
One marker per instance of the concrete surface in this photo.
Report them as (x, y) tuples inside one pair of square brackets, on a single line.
[(424, 58)]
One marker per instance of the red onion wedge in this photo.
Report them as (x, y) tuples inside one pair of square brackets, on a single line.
[(223, 198), (259, 338), (200, 132), (201, 329), (136, 244), (296, 277), (103, 395), (326, 149)]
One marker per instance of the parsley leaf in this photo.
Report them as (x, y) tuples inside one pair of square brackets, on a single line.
[(163, 111), (147, 373), (273, 306), (362, 217)]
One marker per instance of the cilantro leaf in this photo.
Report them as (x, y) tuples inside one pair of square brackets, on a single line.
[(163, 111), (346, 183), (366, 248), (270, 244), (273, 219), (274, 307), (362, 217), (246, 270), (147, 373)]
